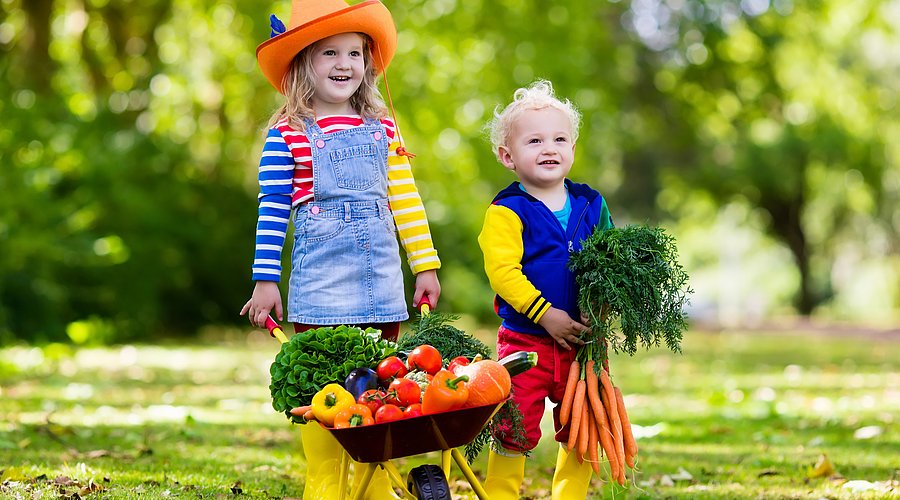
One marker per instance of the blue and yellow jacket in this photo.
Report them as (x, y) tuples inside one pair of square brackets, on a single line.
[(526, 253)]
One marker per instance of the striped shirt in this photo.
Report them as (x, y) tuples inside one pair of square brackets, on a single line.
[(286, 181)]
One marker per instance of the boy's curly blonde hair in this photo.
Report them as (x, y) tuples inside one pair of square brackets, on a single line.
[(538, 95)]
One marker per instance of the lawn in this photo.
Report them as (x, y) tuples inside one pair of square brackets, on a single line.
[(736, 415)]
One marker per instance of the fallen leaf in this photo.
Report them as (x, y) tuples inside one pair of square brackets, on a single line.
[(823, 468), (682, 475), (64, 481), (859, 486), (868, 432)]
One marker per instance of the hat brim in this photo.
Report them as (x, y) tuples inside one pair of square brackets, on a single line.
[(371, 17)]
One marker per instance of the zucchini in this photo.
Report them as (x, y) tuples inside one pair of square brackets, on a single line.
[(519, 362)]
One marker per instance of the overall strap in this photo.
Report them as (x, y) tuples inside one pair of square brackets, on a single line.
[(312, 127)]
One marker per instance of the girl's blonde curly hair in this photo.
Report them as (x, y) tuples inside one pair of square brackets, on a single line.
[(538, 95)]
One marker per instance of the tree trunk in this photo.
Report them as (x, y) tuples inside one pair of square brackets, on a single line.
[(37, 45), (787, 226)]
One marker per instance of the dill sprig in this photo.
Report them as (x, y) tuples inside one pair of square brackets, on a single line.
[(632, 287), (435, 329)]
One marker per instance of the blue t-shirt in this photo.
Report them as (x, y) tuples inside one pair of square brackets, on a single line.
[(561, 215)]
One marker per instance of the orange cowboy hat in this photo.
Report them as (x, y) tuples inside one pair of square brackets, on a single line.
[(313, 20)]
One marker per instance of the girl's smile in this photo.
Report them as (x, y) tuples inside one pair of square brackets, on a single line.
[(339, 66)]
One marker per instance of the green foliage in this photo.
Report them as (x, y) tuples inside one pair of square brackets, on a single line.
[(131, 132), (630, 277), (435, 329), (312, 359)]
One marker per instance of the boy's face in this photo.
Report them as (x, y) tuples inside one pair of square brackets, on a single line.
[(540, 149), (339, 68)]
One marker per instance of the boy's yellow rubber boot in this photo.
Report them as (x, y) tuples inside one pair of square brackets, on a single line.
[(571, 479), (323, 463), (504, 476), (380, 487)]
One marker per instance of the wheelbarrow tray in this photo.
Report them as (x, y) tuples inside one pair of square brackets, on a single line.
[(412, 436)]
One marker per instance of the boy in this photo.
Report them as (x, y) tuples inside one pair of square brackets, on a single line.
[(529, 231)]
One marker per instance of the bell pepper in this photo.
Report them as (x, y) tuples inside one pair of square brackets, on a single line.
[(355, 415), (329, 401), (445, 392)]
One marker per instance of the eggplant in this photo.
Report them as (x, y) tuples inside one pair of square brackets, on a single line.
[(360, 380)]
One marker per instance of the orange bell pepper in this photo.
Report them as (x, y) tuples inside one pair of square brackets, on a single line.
[(355, 415), (445, 392)]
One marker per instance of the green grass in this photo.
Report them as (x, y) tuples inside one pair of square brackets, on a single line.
[(743, 415)]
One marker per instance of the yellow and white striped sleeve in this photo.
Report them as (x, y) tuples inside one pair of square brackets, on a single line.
[(409, 214), (501, 244)]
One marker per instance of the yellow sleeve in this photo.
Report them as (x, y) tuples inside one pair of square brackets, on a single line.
[(501, 244), (409, 214)]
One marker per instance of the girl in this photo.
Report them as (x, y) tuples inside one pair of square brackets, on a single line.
[(335, 159)]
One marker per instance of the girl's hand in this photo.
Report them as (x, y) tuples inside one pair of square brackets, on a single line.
[(266, 297), (427, 284), (562, 328)]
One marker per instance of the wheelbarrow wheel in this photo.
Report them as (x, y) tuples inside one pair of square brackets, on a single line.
[(427, 482)]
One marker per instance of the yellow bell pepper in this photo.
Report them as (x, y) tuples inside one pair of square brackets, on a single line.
[(329, 401)]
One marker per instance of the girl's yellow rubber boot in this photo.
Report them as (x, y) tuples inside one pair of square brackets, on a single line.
[(323, 463), (571, 479), (504, 476)]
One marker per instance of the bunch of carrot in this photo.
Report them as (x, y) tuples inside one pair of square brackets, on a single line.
[(594, 410)]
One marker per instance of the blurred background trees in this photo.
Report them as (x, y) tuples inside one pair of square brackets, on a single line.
[(761, 134)]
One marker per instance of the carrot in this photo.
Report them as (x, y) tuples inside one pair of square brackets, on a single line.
[(627, 435), (603, 428), (300, 410), (584, 433), (565, 409), (577, 409), (593, 443), (609, 401), (309, 416)]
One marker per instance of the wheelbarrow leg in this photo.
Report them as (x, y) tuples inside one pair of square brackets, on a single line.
[(445, 462), (345, 471), (396, 478), (364, 483), (467, 471)]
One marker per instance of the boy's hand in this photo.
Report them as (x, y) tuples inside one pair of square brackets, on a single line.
[(427, 284), (562, 328), (266, 297)]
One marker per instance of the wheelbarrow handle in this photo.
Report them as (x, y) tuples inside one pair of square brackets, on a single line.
[(424, 305), (274, 330)]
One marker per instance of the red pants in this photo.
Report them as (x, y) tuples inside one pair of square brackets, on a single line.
[(389, 331), (532, 387)]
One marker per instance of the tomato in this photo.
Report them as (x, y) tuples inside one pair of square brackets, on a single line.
[(404, 392), (457, 361), (388, 413), (425, 358), (389, 368), (373, 398), (414, 410)]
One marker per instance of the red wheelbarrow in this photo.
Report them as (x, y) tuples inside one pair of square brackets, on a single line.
[(376, 445)]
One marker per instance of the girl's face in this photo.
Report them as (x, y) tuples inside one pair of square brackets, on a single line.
[(540, 149), (339, 66)]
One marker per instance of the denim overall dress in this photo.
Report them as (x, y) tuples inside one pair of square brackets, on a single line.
[(345, 262)]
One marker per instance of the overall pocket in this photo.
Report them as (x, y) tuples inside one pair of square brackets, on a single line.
[(355, 167)]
